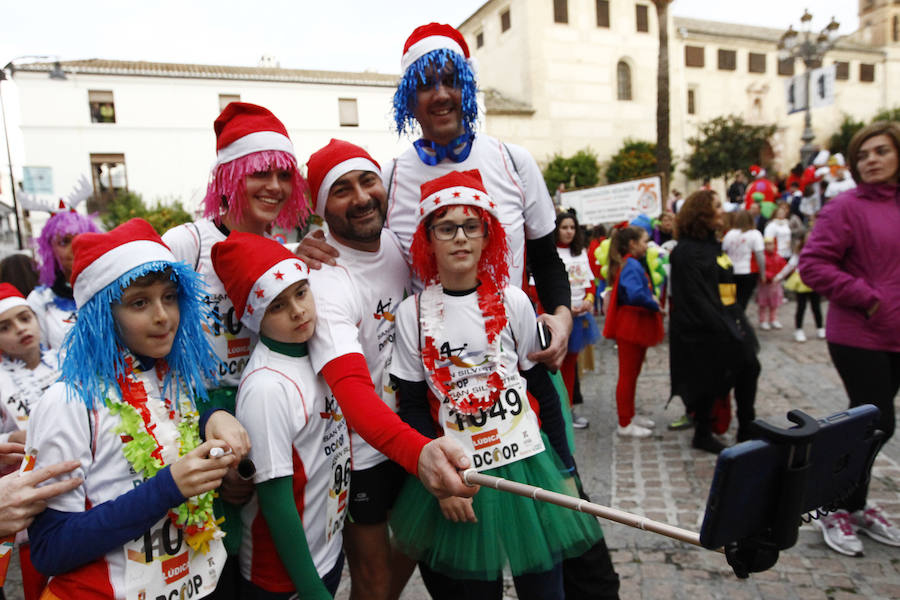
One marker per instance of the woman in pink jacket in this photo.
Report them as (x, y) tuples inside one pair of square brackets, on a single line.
[(851, 259)]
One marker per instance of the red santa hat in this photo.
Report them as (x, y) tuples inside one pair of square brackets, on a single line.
[(10, 297), (757, 171), (254, 271), (101, 258), (433, 36), (245, 128), (332, 162), (456, 187)]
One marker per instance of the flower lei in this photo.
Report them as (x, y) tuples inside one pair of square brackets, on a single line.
[(24, 380), (431, 317), (148, 449)]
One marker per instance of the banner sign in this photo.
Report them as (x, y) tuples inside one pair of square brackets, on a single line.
[(616, 202), (37, 180)]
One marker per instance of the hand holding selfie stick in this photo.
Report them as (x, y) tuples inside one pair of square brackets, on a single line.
[(472, 477)]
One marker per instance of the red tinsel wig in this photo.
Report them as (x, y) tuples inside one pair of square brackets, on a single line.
[(493, 266), (226, 191)]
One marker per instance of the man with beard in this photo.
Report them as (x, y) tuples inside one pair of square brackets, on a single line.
[(356, 301)]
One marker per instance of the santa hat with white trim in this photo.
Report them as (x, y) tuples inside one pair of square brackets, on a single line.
[(254, 271), (245, 128), (454, 188), (101, 258), (433, 36), (332, 162), (10, 297), (757, 171)]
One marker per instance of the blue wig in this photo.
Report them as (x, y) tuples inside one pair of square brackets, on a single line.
[(418, 74), (94, 351)]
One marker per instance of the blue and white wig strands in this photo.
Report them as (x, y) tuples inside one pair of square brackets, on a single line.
[(418, 74), (94, 351)]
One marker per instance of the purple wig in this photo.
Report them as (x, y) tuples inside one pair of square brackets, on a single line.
[(226, 191), (59, 225)]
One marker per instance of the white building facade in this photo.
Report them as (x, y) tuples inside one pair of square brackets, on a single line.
[(148, 127), (583, 74)]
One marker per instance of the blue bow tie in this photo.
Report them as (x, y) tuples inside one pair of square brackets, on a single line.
[(433, 153)]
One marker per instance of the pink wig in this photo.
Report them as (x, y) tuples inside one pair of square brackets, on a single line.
[(493, 266), (226, 191), (59, 225)]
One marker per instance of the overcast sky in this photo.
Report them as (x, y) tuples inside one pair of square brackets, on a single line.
[(346, 35)]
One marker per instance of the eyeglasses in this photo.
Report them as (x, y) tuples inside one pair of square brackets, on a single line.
[(445, 231)]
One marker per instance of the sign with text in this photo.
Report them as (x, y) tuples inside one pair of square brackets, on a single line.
[(37, 180), (821, 85), (616, 202)]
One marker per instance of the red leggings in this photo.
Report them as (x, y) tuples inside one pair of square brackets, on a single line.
[(631, 359)]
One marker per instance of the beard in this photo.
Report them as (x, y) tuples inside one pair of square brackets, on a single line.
[(346, 227)]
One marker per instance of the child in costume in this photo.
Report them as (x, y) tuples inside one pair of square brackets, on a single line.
[(465, 338), (26, 370), (570, 247), (790, 277), (770, 293), (301, 448), (633, 319), (141, 524), (52, 300)]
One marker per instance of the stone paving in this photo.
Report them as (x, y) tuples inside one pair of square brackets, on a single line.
[(663, 478)]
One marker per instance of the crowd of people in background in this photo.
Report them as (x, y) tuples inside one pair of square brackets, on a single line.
[(261, 412)]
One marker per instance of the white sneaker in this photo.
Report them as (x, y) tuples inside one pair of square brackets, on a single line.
[(820, 333), (765, 326), (776, 325), (876, 525), (799, 336), (643, 421), (580, 422), (634, 430), (839, 533)]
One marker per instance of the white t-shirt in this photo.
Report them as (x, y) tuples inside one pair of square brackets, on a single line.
[(21, 388), (232, 342), (55, 315), (580, 274), (462, 345), (355, 304), (296, 429), (512, 179), (740, 246), (780, 230), (62, 428)]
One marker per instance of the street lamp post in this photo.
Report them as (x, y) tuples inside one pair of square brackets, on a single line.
[(55, 73), (810, 49)]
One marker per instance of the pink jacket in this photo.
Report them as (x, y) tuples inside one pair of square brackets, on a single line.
[(852, 258)]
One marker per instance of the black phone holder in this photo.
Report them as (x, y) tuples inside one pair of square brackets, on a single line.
[(760, 552)]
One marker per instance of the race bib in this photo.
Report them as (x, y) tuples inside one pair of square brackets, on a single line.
[(160, 565), (505, 433), (338, 449)]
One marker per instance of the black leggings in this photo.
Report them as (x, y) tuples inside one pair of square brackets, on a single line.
[(814, 304), (870, 377), (745, 286)]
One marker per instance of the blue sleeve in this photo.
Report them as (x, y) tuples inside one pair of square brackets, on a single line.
[(102, 528), (552, 422), (634, 287)]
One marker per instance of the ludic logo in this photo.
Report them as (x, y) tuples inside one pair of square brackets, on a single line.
[(483, 440), (176, 567)]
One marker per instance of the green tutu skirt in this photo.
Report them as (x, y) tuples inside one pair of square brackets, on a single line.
[(521, 534)]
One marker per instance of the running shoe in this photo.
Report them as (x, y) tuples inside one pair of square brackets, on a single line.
[(820, 333), (684, 422), (643, 421), (876, 525), (777, 324), (634, 430), (580, 422), (799, 336), (839, 534), (765, 326)]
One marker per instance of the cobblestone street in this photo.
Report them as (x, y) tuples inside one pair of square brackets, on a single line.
[(663, 478)]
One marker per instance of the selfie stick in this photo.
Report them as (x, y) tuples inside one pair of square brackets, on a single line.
[(472, 477)]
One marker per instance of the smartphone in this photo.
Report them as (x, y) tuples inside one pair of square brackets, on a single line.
[(543, 335), (744, 494)]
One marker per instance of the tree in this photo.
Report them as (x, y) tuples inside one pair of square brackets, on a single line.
[(888, 115), (580, 170), (663, 151), (840, 140), (724, 146), (634, 159), (162, 216)]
